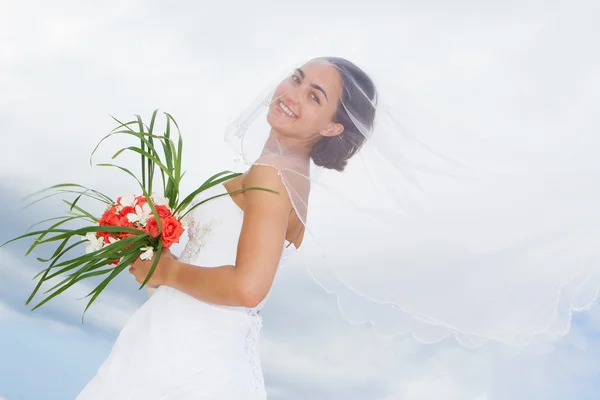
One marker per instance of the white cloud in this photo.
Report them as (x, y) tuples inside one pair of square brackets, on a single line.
[(109, 312), (9, 315)]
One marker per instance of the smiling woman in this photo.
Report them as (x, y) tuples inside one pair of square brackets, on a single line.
[(409, 240), (202, 322)]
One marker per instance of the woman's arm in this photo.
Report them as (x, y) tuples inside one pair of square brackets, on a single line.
[(261, 242)]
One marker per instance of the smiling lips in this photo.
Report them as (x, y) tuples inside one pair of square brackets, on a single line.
[(285, 109)]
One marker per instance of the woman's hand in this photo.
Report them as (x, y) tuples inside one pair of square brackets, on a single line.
[(164, 273)]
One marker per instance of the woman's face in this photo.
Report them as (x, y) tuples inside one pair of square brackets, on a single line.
[(304, 104)]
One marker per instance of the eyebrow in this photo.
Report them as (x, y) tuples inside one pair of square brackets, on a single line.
[(319, 88)]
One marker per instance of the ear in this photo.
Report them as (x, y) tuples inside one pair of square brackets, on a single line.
[(333, 129)]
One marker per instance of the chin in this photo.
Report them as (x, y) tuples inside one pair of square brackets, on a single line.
[(276, 124)]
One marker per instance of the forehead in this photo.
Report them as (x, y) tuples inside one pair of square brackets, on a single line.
[(324, 74)]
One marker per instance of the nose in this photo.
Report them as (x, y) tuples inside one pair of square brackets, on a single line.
[(290, 97)]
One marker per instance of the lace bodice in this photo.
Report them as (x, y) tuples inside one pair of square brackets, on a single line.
[(213, 230)]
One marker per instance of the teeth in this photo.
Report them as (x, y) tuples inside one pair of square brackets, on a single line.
[(287, 110)]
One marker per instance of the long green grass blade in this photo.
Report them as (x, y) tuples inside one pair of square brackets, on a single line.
[(152, 121), (116, 252), (154, 263), (81, 210), (58, 257), (225, 194), (149, 157), (64, 185), (37, 287), (39, 240), (123, 124), (58, 291), (124, 170), (116, 271), (84, 272), (58, 192), (210, 182), (44, 220), (154, 211)]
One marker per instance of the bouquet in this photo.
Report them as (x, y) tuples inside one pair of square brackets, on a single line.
[(132, 211), (131, 226)]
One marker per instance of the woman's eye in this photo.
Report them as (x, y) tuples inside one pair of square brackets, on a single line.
[(315, 98), (295, 79)]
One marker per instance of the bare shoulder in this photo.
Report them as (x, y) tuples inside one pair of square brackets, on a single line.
[(266, 177)]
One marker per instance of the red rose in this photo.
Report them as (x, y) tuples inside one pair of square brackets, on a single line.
[(109, 218), (127, 210), (140, 201), (163, 212), (171, 231), (124, 222), (106, 236), (152, 227)]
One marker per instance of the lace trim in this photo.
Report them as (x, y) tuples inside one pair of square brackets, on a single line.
[(197, 236), (252, 348)]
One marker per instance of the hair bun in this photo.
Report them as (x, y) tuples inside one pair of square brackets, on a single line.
[(333, 152)]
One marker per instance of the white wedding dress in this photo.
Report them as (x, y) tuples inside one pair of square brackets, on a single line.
[(177, 347)]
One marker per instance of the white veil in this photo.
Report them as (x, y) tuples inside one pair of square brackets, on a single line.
[(434, 232)]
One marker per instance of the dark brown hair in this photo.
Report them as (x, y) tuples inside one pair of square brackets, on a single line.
[(359, 98)]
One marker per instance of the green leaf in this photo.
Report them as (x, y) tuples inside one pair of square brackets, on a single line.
[(44, 220), (123, 124), (154, 211), (112, 251), (86, 271), (45, 232), (37, 287), (96, 195), (70, 283), (58, 257), (148, 156), (126, 171), (87, 214), (118, 269), (72, 232), (226, 194), (63, 185), (154, 263), (210, 182), (152, 120)]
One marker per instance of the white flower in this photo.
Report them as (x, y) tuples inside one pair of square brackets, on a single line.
[(127, 201), (159, 201), (141, 215), (95, 242), (111, 240), (147, 254)]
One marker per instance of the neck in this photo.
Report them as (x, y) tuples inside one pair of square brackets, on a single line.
[(288, 147)]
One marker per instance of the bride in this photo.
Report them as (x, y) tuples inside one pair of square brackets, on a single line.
[(468, 241), (197, 336)]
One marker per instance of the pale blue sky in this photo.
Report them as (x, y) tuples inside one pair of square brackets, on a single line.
[(65, 65)]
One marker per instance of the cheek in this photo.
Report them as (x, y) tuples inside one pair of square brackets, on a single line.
[(283, 87), (316, 118)]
